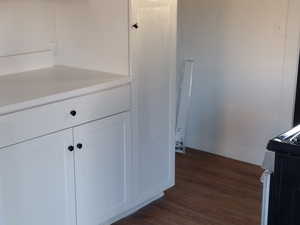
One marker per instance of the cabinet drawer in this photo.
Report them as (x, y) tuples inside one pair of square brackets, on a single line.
[(27, 124)]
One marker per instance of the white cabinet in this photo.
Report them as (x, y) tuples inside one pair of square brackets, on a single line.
[(16, 126), (82, 173), (111, 173), (153, 64), (102, 169), (36, 182)]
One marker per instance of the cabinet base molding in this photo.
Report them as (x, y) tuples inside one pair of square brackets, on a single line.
[(134, 209)]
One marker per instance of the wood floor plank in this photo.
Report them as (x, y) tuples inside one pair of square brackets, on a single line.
[(210, 190)]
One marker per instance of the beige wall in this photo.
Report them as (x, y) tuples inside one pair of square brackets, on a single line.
[(244, 67)]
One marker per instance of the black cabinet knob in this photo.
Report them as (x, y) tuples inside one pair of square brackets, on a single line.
[(135, 26), (71, 148), (73, 113), (79, 146)]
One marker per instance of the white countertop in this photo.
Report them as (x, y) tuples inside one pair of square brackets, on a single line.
[(33, 88)]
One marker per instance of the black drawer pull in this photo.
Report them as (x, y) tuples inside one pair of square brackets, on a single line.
[(79, 146), (71, 148)]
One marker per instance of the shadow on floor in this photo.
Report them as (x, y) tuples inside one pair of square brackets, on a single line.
[(210, 190)]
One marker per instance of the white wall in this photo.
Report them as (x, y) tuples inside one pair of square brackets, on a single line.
[(240, 51), (26, 26), (27, 35), (81, 33), (88, 37)]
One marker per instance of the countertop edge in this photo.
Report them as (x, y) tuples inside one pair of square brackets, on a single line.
[(13, 108)]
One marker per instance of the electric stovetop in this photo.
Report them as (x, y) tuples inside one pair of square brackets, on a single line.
[(288, 142)]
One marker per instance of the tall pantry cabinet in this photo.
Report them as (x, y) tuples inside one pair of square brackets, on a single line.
[(87, 108), (153, 48)]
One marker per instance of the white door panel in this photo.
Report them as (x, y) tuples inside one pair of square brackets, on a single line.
[(154, 83), (36, 185), (102, 169)]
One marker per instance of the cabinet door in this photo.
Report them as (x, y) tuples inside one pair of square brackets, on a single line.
[(36, 186), (154, 71), (102, 168)]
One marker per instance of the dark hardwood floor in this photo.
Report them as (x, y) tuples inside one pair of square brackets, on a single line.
[(210, 190)]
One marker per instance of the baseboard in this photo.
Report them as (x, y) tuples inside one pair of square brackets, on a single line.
[(226, 155), (134, 209)]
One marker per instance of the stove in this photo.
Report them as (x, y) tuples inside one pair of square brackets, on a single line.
[(281, 179)]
